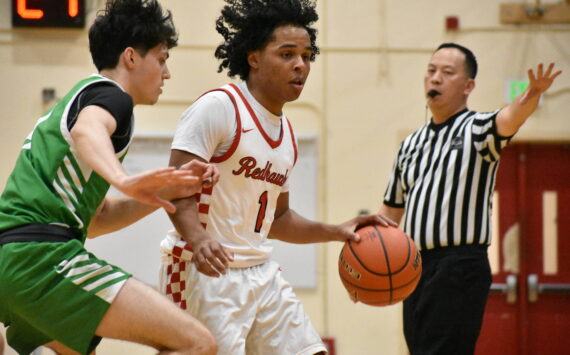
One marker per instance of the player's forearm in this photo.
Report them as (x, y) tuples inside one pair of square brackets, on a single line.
[(116, 213), (290, 227), (186, 220)]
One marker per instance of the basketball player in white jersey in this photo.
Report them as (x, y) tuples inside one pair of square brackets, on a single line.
[(217, 264)]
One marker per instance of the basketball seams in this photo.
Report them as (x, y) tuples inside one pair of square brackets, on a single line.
[(407, 258), (387, 261), (409, 282), (358, 287), (376, 273), (348, 281), (391, 301), (380, 288), (355, 255)]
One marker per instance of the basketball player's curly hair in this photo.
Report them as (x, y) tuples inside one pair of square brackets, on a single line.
[(140, 24), (248, 25)]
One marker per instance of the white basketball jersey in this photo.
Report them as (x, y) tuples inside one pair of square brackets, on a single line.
[(238, 211)]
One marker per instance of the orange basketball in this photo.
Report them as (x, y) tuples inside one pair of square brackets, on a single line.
[(383, 268)]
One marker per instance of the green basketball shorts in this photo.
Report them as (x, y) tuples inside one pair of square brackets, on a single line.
[(55, 291)]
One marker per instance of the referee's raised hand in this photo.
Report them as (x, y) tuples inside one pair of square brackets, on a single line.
[(540, 82)]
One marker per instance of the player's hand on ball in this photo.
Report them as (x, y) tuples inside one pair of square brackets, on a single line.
[(210, 257), (349, 227)]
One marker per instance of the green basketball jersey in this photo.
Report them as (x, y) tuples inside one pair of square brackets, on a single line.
[(50, 184)]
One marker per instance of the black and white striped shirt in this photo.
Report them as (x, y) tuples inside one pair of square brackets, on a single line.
[(444, 177)]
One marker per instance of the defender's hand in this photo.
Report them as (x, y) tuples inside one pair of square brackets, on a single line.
[(207, 175), (145, 187), (207, 172)]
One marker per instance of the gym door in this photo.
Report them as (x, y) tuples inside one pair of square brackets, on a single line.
[(528, 311)]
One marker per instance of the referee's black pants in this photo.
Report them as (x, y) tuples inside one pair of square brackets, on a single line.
[(443, 315)]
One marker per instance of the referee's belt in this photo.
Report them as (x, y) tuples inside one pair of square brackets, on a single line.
[(38, 233)]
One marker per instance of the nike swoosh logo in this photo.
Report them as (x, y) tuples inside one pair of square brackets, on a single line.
[(243, 130)]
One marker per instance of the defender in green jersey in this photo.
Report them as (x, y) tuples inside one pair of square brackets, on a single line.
[(53, 292)]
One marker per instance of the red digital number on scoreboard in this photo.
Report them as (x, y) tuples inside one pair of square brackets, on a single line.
[(48, 13)]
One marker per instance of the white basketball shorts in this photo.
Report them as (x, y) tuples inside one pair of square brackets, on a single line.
[(251, 311)]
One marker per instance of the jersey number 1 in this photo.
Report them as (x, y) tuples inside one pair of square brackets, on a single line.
[(261, 212)]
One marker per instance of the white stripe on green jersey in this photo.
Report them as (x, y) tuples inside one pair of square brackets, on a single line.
[(50, 183)]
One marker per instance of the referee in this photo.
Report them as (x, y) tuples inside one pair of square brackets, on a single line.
[(443, 177)]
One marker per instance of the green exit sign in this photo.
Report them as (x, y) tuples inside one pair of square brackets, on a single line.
[(514, 87)]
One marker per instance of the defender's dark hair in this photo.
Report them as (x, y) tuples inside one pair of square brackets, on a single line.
[(470, 61), (140, 24), (248, 25)]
